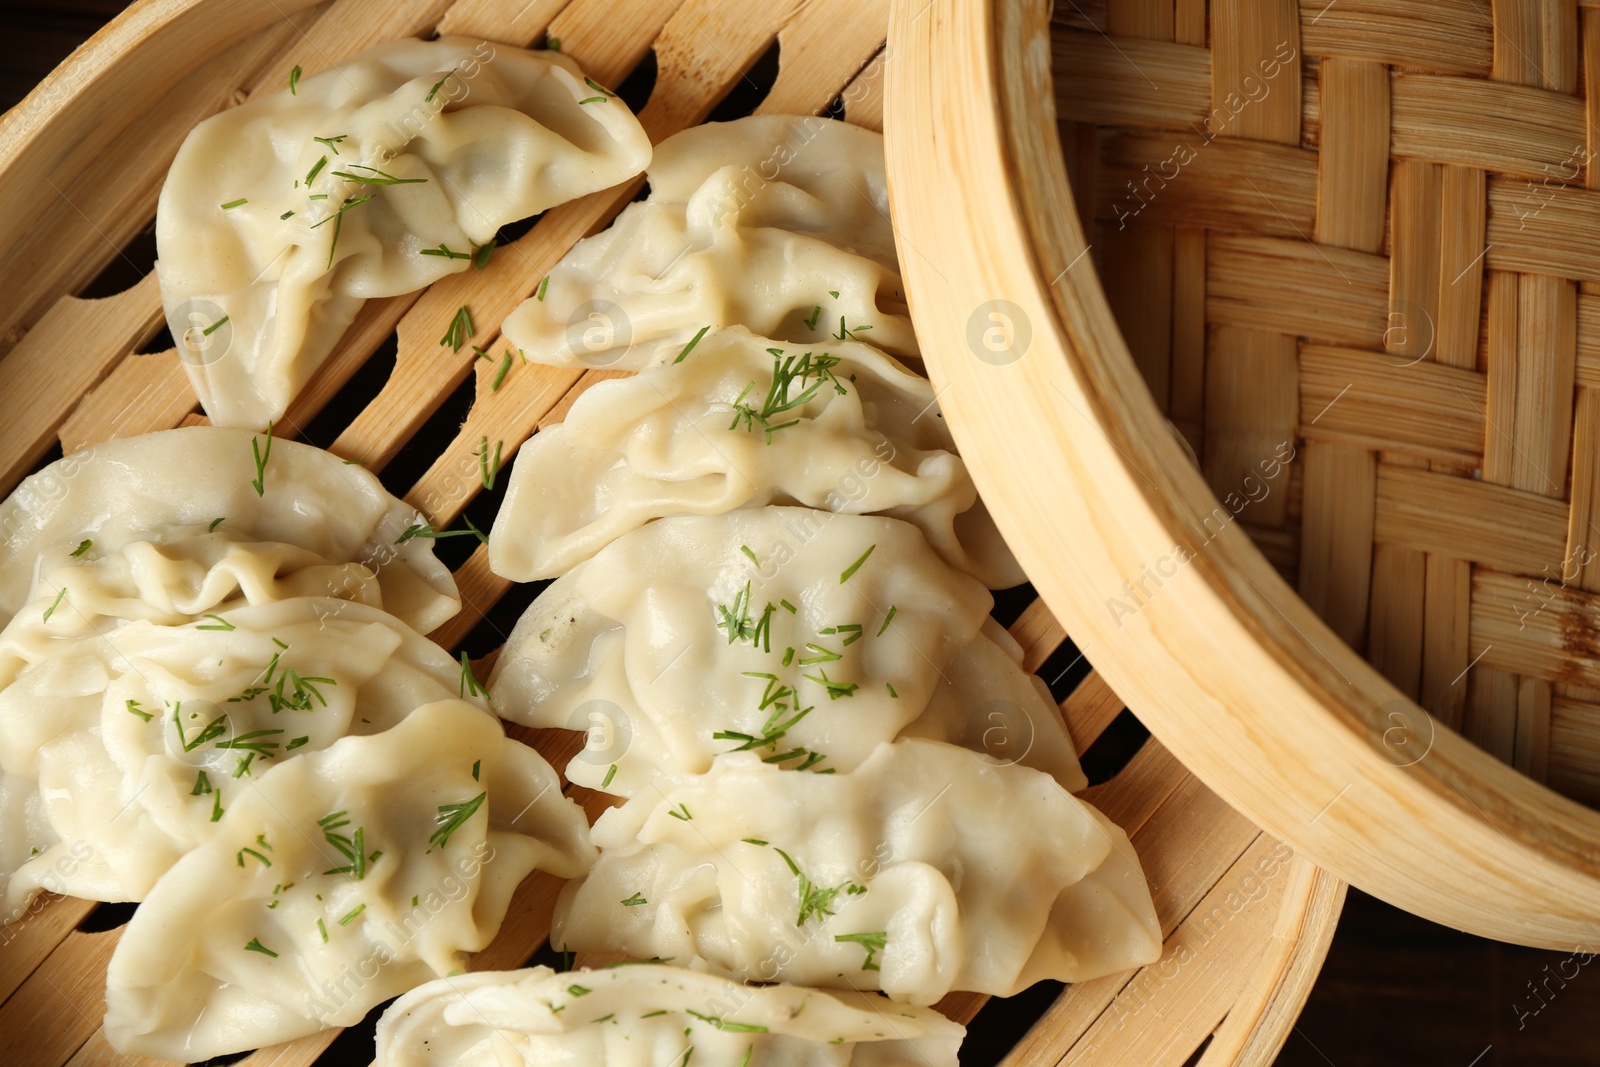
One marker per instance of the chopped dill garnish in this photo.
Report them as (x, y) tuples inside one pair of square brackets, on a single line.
[(690, 346), (134, 709), (611, 772), (322, 928), (255, 944), (735, 621), (787, 372), (751, 556), (231, 204), (51, 610), (500, 375), (351, 917), (469, 681), (477, 768), (338, 222), (209, 732), (214, 524), (481, 254), (605, 94), (352, 846), (377, 177), (296, 743), (488, 469), (753, 841), (576, 990), (788, 656), (847, 334), (544, 284), (835, 689), (261, 457), (816, 311), (451, 817), (873, 942), (892, 693), (459, 330), (887, 619), (787, 606), (725, 1025), (286, 215), (424, 529), (823, 655), (220, 624), (845, 575), (444, 251), (202, 785), (634, 901), (249, 742), (815, 901), (214, 327), (681, 813), (252, 852), (331, 142), (83, 546), (294, 80), (216, 805), (316, 169), (438, 85)]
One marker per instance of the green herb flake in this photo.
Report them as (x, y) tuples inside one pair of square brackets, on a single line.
[(51, 610), (351, 917), (500, 375), (322, 928), (202, 785), (214, 327), (488, 469), (255, 945), (452, 817), (460, 329), (444, 251), (332, 143), (294, 80), (576, 990), (892, 693), (426, 530), (816, 312), (887, 619), (481, 254), (220, 624), (544, 284), (134, 709), (634, 901), (476, 767), (751, 556), (377, 177), (231, 204), (262, 456), (252, 852), (438, 85), (753, 841), (850, 571), (611, 772), (316, 169), (469, 681), (296, 743), (873, 942), (216, 805), (214, 524), (681, 813), (729, 1027), (690, 346)]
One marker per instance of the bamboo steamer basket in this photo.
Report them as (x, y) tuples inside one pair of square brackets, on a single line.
[(1160, 245), (1247, 922)]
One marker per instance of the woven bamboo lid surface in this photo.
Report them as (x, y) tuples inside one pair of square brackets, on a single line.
[(1246, 921), (1344, 257)]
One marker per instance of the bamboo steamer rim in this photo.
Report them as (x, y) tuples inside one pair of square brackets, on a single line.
[(1225, 663), (1254, 978)]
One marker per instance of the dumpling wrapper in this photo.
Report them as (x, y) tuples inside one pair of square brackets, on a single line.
[(176, 484), (506, 136), (863, 435), (637, 647), (647, 1015), (776, 222), (183, 985), (137, 737), (914, 874)]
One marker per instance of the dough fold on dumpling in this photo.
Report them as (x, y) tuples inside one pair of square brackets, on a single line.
[(647, 1015), (743, 421), (177, 485), (776, 222), (924, 870), (805, 636), (344, 878), (137, 737), (268, 248)]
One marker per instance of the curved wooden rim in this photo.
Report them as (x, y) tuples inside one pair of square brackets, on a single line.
[(1223, 661)]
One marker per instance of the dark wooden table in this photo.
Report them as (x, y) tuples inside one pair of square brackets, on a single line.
[(1396, 990)]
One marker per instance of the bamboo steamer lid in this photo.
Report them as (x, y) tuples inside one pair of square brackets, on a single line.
[(1246, 920), (1343, 255)]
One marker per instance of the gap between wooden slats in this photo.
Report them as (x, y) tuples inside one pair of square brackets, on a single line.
[(1581, 564), (1575, 749), (1159, 84), (1188, 382), (1443, 36), (1504, 528), (1290, 286), (1136, 271)]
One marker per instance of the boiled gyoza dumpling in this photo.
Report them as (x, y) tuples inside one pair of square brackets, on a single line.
[(779, 223), (649, 1015), (281, 216), (140, 736), (178, 485), (805, 636), (925, 869), (742, 421), (344, 878)]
